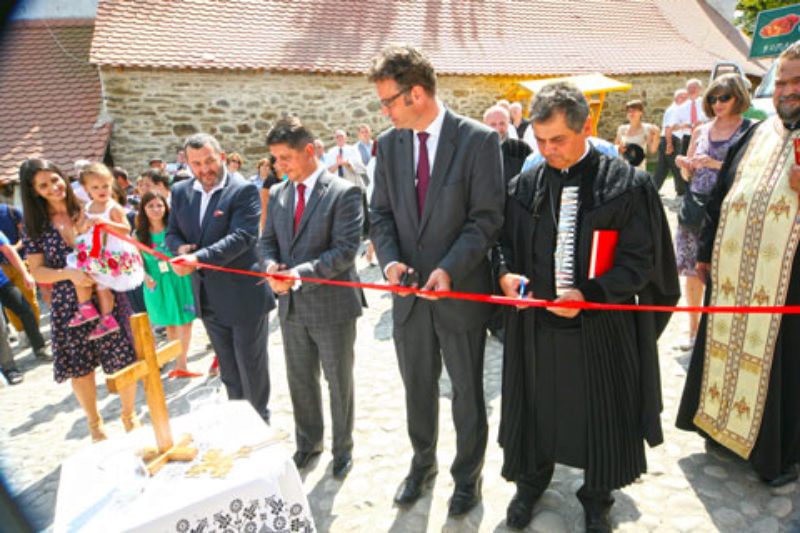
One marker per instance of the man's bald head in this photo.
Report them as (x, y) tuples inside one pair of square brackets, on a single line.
[(497, 118)]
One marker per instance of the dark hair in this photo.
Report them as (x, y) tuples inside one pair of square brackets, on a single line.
[(198, 140), (732, 84), (404, 64), (181, 175), (34, 207), (142, 222), (119, 195), (156, 176), (562, 98), (634, 104), (289, 130), (120, 172)]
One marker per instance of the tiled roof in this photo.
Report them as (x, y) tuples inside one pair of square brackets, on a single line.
[(49, 95), (471, 37)]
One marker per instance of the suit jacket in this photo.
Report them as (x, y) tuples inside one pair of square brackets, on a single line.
[(461, 219), (514, 154), (324, 246), (226, 238)]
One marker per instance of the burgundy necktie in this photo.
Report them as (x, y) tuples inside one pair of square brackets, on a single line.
[(423, 170), (301, 205), (693, 114)]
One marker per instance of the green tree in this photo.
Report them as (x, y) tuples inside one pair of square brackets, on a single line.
[(749, 11)]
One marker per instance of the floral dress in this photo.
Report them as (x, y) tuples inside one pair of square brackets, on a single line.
[(703, 181), (73, 353), (118, 265)]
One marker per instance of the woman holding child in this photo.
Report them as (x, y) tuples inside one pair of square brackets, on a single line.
[(53, 218)]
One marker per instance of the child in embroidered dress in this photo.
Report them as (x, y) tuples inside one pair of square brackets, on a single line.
[(118, 266)]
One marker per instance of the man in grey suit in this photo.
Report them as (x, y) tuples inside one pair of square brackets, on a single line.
[(214, 219), (436, 209), (313, 231)]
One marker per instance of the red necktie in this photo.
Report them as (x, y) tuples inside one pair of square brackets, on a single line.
[(693, 117), (301, 205), (423, 170)]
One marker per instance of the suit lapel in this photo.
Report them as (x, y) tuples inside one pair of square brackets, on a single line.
[(287, 200), (445, 151), (314, 199), (406, 176), (194, 213)]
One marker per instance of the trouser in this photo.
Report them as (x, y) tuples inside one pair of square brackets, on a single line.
[(422, 343), (243, 360), (6, 357), (30, 296), (308, 347), (13, 300), (666, 165), (534, 484)]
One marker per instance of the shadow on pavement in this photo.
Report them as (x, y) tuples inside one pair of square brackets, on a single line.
[(38, 501)]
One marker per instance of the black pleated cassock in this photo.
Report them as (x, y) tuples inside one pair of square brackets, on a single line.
[(617, 361)]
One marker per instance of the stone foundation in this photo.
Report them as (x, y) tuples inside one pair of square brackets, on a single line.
[(153, 111)]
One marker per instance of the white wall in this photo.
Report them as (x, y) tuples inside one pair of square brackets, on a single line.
[(39, 9)]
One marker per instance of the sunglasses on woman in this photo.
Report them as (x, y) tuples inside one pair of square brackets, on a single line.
[(722, 98)]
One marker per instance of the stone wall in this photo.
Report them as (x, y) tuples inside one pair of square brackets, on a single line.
[(153, 111)]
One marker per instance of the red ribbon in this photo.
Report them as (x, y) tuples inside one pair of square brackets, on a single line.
[(486, 298), (94, 253)]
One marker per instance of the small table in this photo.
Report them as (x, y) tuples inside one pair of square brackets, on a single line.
[(261, 489)]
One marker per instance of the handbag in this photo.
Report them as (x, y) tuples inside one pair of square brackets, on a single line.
[(693, 210)]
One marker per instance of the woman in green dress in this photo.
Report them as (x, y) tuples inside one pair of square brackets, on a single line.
[(167, 296)]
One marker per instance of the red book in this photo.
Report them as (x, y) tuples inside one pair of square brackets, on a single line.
[(604, 242)]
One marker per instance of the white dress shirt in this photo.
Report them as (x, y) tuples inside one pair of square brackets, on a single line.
[(434, 131), (205, 197), (684, 115)]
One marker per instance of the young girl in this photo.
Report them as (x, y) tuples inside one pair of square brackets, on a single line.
[(119, 265), (168, 297)]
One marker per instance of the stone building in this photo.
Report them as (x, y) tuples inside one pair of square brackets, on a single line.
[(170, 68)]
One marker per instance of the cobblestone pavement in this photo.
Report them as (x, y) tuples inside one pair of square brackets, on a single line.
[(688, 488)]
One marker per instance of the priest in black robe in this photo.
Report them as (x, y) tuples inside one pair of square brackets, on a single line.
[(771, 439), (581, 388)]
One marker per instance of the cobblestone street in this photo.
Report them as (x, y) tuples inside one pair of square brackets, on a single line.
[(687, 488)]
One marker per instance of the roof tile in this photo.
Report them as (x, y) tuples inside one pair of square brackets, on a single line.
[(50, 95), (469, 37)]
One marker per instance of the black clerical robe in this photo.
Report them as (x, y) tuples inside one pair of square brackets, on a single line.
[(778, 443), (614, 357)]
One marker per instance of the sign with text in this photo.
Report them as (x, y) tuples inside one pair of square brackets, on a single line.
[(775, 30)]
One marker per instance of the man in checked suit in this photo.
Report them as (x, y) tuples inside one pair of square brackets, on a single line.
[(313, 230), (214, 219), (436, 209)]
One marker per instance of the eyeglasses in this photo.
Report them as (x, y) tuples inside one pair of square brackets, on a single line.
[(722, 98), (388, 101)]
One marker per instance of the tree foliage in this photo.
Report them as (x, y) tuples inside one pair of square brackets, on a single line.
[(749, 11)]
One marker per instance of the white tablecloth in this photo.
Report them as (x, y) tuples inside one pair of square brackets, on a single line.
[(262, 492)]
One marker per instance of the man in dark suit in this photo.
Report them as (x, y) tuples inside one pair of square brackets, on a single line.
[(313, 230), (436, 209), (214, 219), (514, 151)]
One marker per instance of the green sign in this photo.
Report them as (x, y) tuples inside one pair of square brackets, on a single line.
[(775, 30)]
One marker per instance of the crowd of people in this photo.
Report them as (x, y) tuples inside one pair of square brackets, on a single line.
[(519, 207)]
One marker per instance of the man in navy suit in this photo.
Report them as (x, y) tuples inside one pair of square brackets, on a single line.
[(214, 220)]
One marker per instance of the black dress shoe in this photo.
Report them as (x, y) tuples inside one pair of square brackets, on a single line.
[(43, 354), (342, 466), (465, 497), (413, 486), (596, 508), (13, 376), (787, 475), (520, 510), (301, 459)]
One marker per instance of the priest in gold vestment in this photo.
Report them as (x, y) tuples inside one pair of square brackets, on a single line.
[(742, 386)]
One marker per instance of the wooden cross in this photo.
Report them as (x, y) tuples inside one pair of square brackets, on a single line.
[(147, 368)]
